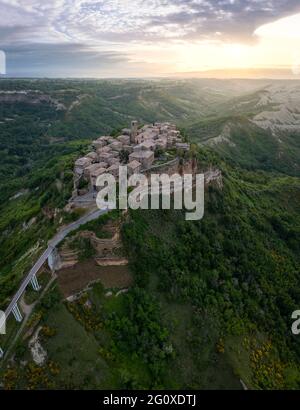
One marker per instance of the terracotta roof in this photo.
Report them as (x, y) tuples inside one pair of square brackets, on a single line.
[(134, 164), (141, 154), (98, 172)]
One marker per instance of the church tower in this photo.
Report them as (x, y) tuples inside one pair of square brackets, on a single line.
[(134, 131)]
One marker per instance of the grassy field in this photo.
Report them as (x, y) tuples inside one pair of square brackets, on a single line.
[(76, 350)]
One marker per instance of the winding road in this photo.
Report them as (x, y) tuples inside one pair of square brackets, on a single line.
[(51, 246)]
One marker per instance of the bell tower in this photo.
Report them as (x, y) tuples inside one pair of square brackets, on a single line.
[(134, 131)]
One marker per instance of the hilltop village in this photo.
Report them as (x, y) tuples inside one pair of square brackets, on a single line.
[(138, 148)]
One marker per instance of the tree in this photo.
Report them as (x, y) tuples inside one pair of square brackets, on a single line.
[(124, 156)]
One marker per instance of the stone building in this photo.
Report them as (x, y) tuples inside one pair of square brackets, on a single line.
[(116, 146), (146, 145), (115, 154), (105, 156), (93, 156), (124, 139), (128, 148), (81, 164), (103, 164), (90, 169), (98, 144), (113, 170), (134, 132), (113, 161), (161, 143), (134, 167), (95, 174), (103, 149), (146, 158)]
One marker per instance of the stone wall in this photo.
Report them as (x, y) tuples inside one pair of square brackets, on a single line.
[(103, 246), (68, 257), (186, 167), (173, 167), (111, 261)]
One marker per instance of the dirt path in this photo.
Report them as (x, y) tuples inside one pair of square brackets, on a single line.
[(26, 309)]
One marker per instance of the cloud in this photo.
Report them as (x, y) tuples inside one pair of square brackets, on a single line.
[(138, 20), (223, 20), (56, 33), (60, 60)]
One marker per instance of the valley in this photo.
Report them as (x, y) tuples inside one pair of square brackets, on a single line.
[(211, 298)]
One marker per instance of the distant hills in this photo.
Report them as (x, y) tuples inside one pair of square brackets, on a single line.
[(245, 73)]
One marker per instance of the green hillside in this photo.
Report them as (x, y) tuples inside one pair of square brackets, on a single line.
[(213, 298), (243, 143)]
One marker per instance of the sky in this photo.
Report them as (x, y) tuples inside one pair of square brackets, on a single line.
[(149, 38)]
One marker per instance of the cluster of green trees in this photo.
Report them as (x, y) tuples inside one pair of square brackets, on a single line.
[(84, 248), (240, 262), (139, 332)]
